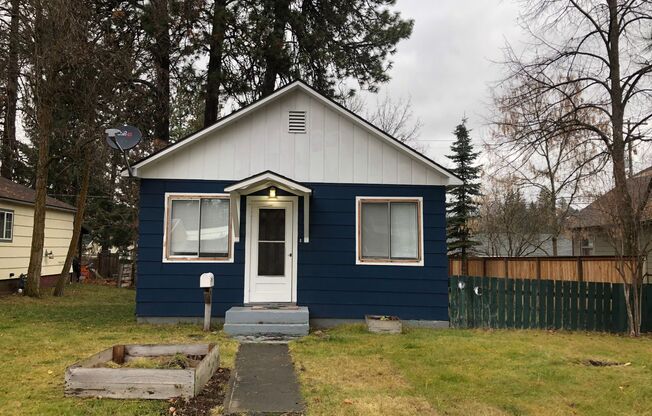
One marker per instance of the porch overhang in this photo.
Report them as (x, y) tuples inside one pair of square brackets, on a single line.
[(262, 181)]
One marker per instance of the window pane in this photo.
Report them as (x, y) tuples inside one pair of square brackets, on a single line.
[(271, 259), (3, 224), (375, 230), (9, 222), (184, 227), (214, 224), (271, 225), (405, 233)]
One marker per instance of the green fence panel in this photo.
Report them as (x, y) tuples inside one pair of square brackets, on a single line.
[(607, 310), (566, 298), (646, 315), (541, 304), (558, 304), (581, 306), (493, 302), (509, 303), (501, 303), (619, 309), (518, 303), (573, 307), (550, 304), (526, 304), (477, 304), (599, 305), (590, 309), (487, 302)]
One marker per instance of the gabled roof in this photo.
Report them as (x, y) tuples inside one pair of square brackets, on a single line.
[(13, 192), (265, 179), (602, 211), (296, 85)]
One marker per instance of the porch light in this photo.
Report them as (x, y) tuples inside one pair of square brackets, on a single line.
[(272, 192)]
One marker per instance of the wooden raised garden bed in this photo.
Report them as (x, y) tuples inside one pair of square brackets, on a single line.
[(383, 324), (143, 371)]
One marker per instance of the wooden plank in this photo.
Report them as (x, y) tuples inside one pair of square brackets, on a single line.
[(477, 303), (206, 368), (599, 306), (550, 304), (518, 303), (590, 310), (566, 305), (509, 304), (646, 315), (574, 295), (581, 306), (558, 304), (526, 304), (501, 303), (96, 359), (453, 313), (493, 302), (541, 304), (153, 350)]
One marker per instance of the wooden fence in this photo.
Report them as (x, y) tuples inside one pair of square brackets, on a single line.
[(565, 268), (484, 302)]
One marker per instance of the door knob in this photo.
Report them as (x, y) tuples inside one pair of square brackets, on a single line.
[(290, 255)]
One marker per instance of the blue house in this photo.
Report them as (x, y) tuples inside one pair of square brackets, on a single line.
[(299, 208)]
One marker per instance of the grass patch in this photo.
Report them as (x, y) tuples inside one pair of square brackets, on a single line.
[(347, 371), (39, 338)]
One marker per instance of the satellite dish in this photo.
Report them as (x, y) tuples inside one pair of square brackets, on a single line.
[(123, 137)]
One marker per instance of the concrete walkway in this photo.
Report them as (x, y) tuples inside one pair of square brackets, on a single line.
[(263, 382)]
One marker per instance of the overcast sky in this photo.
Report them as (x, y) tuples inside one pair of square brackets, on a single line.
[(446, 65)]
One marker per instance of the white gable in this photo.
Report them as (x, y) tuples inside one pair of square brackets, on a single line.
[(336, 148)]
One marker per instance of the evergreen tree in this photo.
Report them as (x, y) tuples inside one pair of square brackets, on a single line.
[(463, 206)]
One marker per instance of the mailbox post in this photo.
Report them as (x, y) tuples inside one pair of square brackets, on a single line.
[(206, 282)]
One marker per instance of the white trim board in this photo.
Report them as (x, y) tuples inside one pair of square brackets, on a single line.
[(398, 162)]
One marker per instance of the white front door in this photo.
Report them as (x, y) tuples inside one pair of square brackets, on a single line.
[(269, 260)]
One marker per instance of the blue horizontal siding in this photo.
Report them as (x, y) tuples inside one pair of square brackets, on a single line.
[(329, 281)]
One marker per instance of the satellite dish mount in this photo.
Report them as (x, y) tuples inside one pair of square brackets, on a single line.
[(123, 138)]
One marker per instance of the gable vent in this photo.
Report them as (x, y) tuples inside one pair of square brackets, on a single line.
[(296, 121)]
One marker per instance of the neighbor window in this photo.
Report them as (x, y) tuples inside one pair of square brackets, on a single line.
[(6, 225), (198, 228), (389, 230)]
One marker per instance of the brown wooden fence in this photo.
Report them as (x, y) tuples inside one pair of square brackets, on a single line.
[(566, 268)]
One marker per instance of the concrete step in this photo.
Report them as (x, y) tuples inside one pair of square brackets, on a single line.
[(287, 329), (250, 315)]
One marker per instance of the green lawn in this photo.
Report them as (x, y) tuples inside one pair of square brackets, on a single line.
[(344, 371), (39, 338), (347, 371)]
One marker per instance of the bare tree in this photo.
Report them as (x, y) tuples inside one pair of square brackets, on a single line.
[(555, 162), (595, 53)]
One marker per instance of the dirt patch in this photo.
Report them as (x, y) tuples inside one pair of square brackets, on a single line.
[(599, 363), (170, 362), (211, 397)]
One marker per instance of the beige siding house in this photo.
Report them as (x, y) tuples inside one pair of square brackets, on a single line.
[(16, 223), (588, 225)]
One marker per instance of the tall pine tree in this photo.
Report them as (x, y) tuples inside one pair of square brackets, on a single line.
[(463, 206)]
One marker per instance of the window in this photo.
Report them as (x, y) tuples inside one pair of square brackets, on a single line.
[(198, 228), (389, 231), (587, 247), (6, 225)]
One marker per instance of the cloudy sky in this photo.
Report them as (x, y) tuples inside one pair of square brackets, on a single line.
[(446, 66)]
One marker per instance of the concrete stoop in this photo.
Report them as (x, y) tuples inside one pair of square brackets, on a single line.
[(267, 321)]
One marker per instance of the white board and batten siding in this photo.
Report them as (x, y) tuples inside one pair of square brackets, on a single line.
[(336, 148), (14, 254)]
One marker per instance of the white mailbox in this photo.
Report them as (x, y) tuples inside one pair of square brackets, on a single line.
[(206, 280)]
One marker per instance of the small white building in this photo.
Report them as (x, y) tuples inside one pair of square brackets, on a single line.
[(16, 225)]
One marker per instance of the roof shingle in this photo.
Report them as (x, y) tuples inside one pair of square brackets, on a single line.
[(11, 191)]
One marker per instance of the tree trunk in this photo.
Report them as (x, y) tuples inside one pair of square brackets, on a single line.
[(161, 57), (9, 133), (77, 224), (275, 60), (44, 123), (214, 74)]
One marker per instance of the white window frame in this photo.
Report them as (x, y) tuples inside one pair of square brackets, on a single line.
[(6, 212), (166, 222), (359, 260)]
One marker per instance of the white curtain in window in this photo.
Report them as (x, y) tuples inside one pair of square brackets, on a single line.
[(184, 227), (214, 228), (405, 235), (375, 230)]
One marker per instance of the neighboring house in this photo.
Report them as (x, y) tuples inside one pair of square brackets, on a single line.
[(16, 224), (501, 245), (588, 225), (292, 200)]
